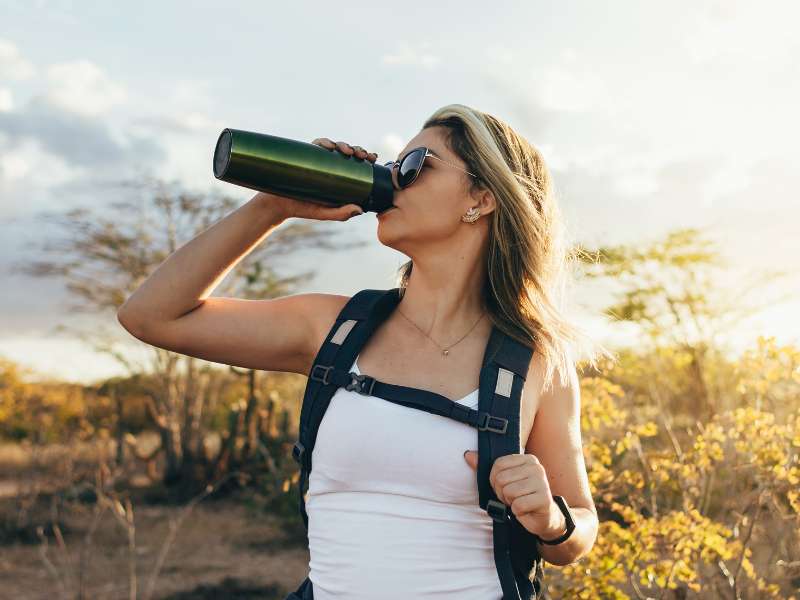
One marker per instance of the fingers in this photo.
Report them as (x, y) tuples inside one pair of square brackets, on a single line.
[(513, 468), (346, 149), (360, 152), (516, 489), (352, 210), (504, 480), (325, 143)]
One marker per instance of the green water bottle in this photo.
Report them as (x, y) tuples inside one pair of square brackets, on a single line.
[(300, 170)]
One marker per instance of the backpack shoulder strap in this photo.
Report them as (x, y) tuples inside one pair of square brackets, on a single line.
[(503, 374), (356, 322)]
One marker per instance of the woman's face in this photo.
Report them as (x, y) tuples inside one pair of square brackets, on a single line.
[(430, 209)]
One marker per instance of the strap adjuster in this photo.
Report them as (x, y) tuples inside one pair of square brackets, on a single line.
[(298, 450), (499, 424), (497, 510), (361, 384), (325, 377)]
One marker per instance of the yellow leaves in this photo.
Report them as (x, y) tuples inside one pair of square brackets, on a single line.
[(658, 552), (598, 405), (682, 496), (793, 476), (768, 369), (649, 429), (624, 444), (780, 471), (42, 411)]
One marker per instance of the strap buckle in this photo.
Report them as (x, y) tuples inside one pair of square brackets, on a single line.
[(298, 451), (325, 377), (361, 384), (497, 510), (500, 425)]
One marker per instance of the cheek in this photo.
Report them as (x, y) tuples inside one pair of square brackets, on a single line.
[(414, 223), (436, 204), (425, 211)]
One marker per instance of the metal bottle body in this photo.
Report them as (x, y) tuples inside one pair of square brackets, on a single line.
[(300, 170)]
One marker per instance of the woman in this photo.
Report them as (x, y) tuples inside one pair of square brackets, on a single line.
[(389, 515)]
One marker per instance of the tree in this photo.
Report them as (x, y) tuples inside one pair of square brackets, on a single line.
[(669, 290), (106, 253)]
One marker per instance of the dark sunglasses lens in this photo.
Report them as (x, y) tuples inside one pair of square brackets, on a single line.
[(410, 166)]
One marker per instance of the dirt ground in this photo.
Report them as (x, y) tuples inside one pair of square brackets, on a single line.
[(223, 549)]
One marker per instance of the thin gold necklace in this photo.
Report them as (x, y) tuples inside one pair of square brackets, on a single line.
[(445, 351)]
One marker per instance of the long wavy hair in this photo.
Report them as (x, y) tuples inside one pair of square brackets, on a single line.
[(529, 263)]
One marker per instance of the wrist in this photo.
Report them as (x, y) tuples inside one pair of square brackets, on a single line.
[(270, 204), (557, 525), (563, 507)]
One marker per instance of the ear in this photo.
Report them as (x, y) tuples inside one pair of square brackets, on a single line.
[(484, 200)]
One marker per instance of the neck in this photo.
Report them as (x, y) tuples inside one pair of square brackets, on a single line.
[(444, 299)]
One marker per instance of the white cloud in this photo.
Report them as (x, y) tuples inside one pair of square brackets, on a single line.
[(178, 122), (196, 121), (82, 87), (416, 55), (390, 146), (635, 184), (552, 156), (12, 64), (6, 101), (196, 93), (27, 173), (743, 34), (499, 54), (568, 88)]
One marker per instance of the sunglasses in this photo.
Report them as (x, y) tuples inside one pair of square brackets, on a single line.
[(411, 164)]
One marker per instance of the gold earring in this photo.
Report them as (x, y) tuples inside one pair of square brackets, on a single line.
[(471, 216)]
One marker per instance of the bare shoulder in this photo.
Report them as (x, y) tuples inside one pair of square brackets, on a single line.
[(555, 389), (532, 393), (557, 412), (325, 309)]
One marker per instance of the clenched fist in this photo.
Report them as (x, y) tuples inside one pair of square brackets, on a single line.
[(520, 482)]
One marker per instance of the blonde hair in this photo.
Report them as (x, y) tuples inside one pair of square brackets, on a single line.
[(528, 263)]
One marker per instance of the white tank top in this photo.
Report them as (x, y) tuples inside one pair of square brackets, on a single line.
[(393, 506)]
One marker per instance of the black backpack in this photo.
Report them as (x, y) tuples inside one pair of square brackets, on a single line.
[(502, 376)]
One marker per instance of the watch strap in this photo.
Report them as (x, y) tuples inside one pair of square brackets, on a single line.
[(562, 505)]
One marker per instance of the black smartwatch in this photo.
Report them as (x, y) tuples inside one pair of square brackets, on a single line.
[(562, 505)]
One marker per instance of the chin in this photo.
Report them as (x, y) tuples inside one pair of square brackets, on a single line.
[(388, 232)]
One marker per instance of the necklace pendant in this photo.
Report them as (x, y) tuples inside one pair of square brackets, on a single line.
[(445, 352)]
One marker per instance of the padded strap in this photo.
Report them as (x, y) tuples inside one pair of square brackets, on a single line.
[(354, 325), (503, 374)]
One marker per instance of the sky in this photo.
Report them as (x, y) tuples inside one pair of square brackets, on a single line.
[(650, 116)]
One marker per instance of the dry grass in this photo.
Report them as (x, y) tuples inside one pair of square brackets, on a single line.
[(220, 549)]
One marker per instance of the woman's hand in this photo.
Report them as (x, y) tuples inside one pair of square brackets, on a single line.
[(291, 207), (520, 482), (346, 148)]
